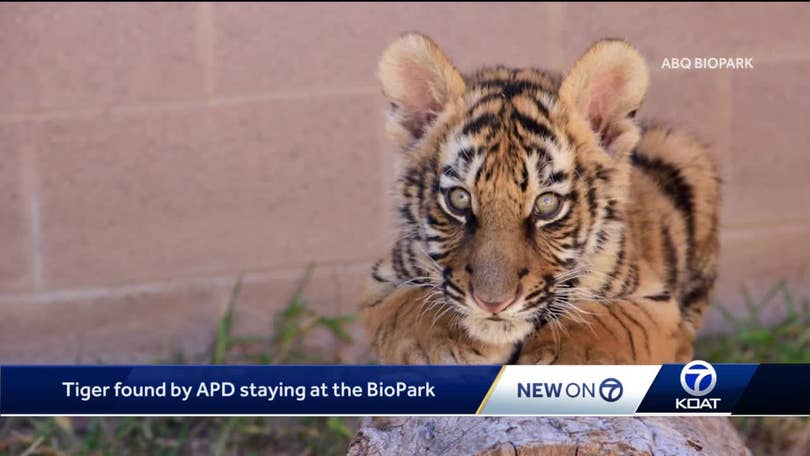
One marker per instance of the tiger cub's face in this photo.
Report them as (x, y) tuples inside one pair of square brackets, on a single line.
[(513, 181)]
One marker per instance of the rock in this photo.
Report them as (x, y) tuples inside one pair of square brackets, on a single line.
[(531, 436)]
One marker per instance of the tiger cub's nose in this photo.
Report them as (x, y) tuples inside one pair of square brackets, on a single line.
[(494, 305)]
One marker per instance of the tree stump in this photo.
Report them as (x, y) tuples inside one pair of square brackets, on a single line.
[(580, 436)]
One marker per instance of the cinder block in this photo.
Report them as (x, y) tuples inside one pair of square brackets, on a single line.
[(15, 232), (331, 290), (114, 327), (210, 191), (764, 30), (80, 56), (694, 101), (756, 260), (298, 47), (768, 156)]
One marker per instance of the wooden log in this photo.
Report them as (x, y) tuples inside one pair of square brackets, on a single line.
[(543, 436)]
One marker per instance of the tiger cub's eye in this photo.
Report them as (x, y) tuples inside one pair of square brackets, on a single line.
[(458, 200), (547, 205)]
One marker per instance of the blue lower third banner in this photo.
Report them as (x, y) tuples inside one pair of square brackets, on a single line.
[(283, 390)]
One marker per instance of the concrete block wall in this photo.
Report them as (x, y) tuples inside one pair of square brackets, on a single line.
[(153, 152)]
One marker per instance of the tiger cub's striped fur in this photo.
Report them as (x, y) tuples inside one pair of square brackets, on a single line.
[(539, 221)]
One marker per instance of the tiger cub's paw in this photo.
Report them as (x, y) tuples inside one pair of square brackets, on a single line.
[(544, 348), (447, 351)]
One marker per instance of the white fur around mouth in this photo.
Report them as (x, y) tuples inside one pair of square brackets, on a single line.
[(504, 331)]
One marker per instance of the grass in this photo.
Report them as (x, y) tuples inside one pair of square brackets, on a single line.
[(286, 342), (750, 340)]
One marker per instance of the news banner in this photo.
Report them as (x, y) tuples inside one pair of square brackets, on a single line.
[(345, 390)]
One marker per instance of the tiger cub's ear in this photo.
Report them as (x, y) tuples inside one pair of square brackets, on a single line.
[(606, 86), (419, 81)]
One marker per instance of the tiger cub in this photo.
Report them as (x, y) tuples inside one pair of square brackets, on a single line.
[(540, 223)]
